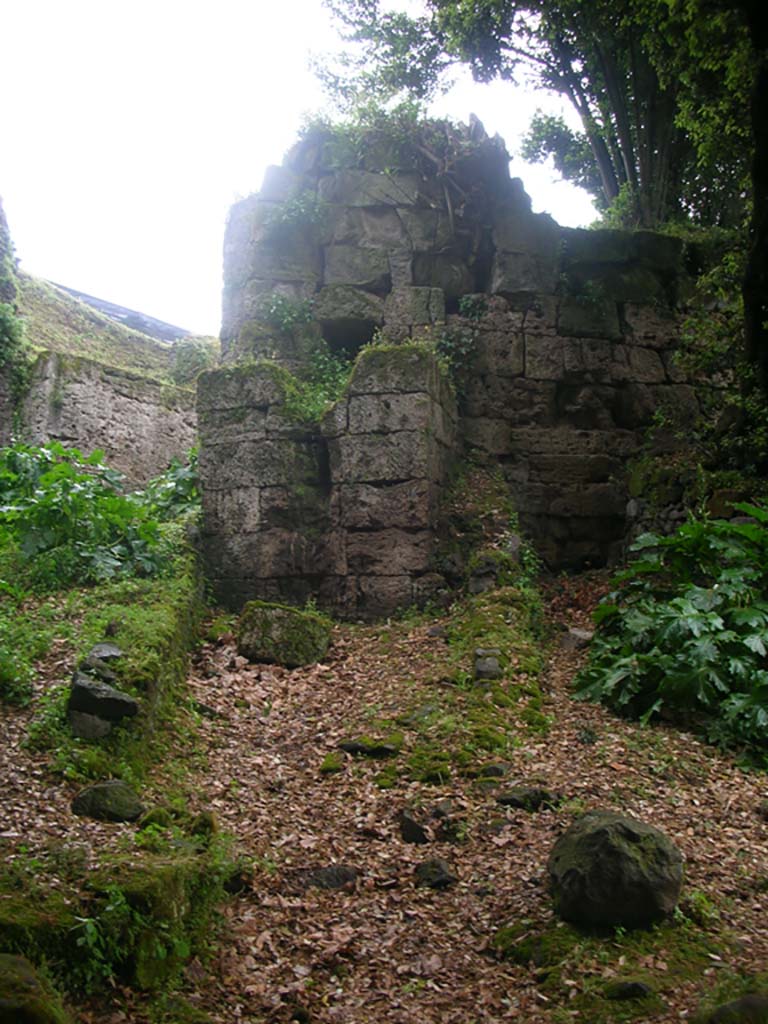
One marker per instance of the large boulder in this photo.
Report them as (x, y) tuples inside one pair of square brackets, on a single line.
[(282, 635), (24, 997), (94, 697), (108, 801), (612, 870)]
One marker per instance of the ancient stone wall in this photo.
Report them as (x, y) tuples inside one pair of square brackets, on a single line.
[(563, 339), (342, 512), (137, 422)]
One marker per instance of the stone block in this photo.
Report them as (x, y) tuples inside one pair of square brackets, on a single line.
[(448, 271), (382, 458), (390, 552), (573, 469), (413, 306), (522, 273), (239, 387), (675, 373), (645, 366), (382, 229), (567, 441), (544, 358), (366, 188), (586, 406), (574, 500), (362, 268), (378, 596), (491, 435), (240, 424), (661, 252), (591, 357), (499, 352), (370, 414), (259, 463), (231, 511), (586, 245), (390, 369), (409, 505), (302, 508), (426, 229), (652, 325), (346, 302), (588, 318)]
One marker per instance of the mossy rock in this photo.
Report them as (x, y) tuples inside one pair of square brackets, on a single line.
[(114, 800), (282, 635), (610, 870), (24, 997)]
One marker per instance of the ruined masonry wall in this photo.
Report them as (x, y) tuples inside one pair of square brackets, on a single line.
[(566, 340), (342, 513), (139, 424)]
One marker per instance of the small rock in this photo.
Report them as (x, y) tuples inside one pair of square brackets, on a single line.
[(108, 801), (335, 876), (576, 639), (435, 873), (487, 665), (282, 635), (96, 698), (492, 771), (627, 989), (749, 1009), (529, 798), (105, 652), (762, 810), (410, 830), (88, 727), (437, 631), (370, 748), (442, 809), (98, 668)]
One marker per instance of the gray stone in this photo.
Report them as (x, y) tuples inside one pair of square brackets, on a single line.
[(105, 652), (414, 306), (611, 870), (529, 798), (626, 989), (88, 727), (487, 664), (363, 268), (94, 697), (334, 876), (340, 303), (435, 873), (576, 639), (114, 800)]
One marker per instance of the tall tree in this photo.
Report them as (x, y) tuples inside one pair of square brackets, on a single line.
[(597, 53)]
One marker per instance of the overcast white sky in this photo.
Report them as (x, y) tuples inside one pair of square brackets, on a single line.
[(128, 129)]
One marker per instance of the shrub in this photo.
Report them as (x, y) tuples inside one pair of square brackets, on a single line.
[(686, 630), (70, 520)]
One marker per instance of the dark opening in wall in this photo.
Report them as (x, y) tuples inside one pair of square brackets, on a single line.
[(347, 337)]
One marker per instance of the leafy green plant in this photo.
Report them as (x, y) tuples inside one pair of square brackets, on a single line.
[(300, 211), (686, 630), (284, 313), (322, 383), (13, 359), (190, 357), (68, 518)]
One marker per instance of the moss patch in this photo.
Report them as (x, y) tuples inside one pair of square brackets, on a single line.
[(578, 969), (283, 635)]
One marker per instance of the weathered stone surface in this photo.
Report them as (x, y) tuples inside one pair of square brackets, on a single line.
[(414, 306), (138, 423), (444, 271), (382, 458), (411, 831), (340, 303), (389, 552), (529, 798), (88, 727), (114, 800), (522, 273), (410, 505), (283, 635), (487, 664), (364, 188), (94, 697), (589, 318), (363, 268), (335, 876), (611, 870), (24, 997)]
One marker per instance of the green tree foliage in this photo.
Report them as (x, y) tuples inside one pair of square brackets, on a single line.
[(686, 631), (636, 72)]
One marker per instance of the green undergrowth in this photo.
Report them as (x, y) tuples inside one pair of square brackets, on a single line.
[(54, 321), (685, 631), (459, 725), (136, 918), (155, 623), (580, 972)]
